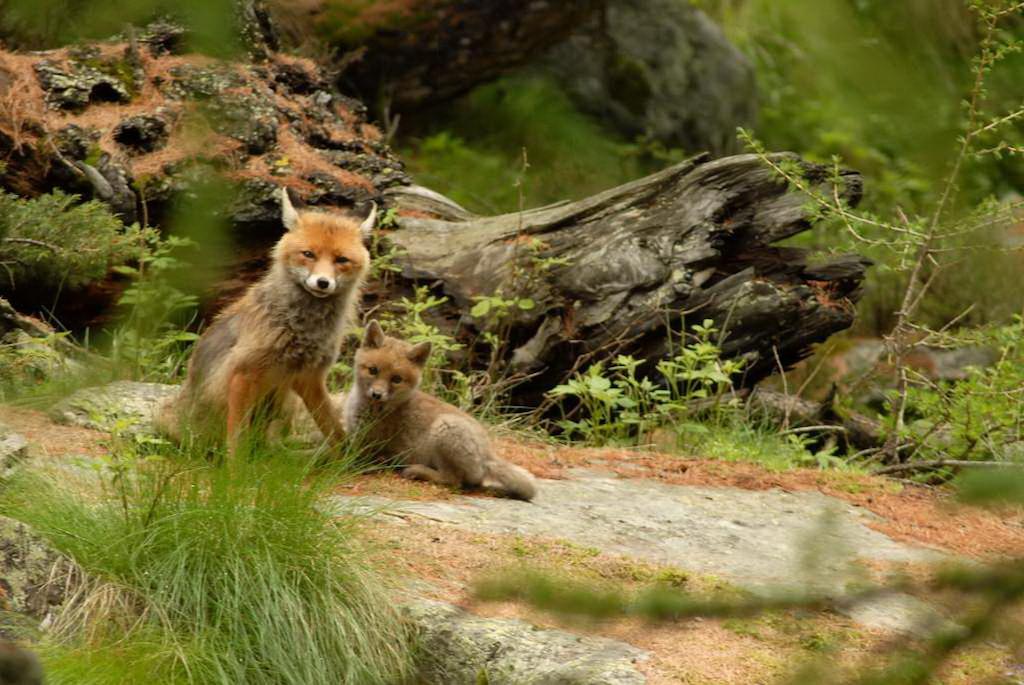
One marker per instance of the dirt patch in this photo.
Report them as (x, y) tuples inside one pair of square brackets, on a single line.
[(49, 439), (922, 515)]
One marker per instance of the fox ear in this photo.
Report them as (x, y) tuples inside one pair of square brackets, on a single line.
[(366, 228), (419, 354), (289, 217), (374, 335)]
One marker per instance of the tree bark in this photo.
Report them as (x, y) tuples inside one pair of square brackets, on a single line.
[(420, 52), (692, 242)]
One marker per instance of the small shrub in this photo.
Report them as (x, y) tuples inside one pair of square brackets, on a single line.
[(54, 241), (151, 343), (621, 406), (980, 417)]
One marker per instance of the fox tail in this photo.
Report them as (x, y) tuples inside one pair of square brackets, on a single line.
[(513, 480)]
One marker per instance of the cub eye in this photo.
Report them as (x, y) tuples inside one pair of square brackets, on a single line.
[(373, 370), (396, 379), (308, 254), (341, 260)]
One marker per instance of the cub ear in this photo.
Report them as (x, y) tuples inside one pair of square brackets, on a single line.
[(366, 228), (419, 354), (289, 217), (374, 335)]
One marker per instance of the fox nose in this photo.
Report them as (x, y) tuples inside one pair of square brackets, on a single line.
[(322, 283), (376, 394)]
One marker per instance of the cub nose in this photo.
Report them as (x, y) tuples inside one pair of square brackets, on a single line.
[(322, 283), (376, 394)]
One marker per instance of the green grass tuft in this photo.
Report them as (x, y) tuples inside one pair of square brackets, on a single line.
[(232, 574)]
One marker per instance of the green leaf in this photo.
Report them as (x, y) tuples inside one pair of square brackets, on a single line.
[(481, 308)]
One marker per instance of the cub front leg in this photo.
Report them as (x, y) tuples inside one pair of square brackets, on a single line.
[(431, 475), (313, 391)]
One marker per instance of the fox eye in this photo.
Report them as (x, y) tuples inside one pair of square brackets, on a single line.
[(396, 379), (308, 254), (373, 370), (341, 260)]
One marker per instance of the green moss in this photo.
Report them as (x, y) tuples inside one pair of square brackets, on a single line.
[(627, 79), (518, 142), (344, 21), (93, 155)]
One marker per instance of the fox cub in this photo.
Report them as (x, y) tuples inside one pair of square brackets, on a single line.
[(438, 442), (280, 339)]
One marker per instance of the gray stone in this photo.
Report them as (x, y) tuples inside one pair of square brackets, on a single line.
[(766, 541), (76, 84), (900, 613), (660, 69), (13, 451), (36, 579), (123, 406), (460, 648), (142, 133)]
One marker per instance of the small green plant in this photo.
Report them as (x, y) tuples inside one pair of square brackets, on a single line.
[(980, 417), (621, 406), (151, 343)]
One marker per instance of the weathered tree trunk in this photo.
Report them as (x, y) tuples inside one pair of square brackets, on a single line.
[(692, 242), (421, 52)]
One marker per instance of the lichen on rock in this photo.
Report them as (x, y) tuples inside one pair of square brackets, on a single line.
[(36, 580)]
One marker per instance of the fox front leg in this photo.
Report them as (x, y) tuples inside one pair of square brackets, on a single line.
[(313, 391), (243, 391)]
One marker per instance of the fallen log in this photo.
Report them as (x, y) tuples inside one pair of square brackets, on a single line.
[(422, 52), (632, 264), (856, 431)]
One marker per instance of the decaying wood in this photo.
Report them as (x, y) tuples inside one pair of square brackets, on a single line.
[(421, 52), (857, 432), (695, 241)]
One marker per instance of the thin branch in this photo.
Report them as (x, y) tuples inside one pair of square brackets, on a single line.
[(36, 243), (940, 463)]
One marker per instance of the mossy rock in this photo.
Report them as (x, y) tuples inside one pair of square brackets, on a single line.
[(34, 579), (458, 647), (124, 406)]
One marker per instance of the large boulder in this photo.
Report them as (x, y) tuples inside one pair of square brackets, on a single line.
[(660, 69)]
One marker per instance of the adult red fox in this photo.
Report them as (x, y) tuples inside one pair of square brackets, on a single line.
[(284, 333)]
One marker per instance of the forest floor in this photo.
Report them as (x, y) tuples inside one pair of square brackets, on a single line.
[(633, 518)]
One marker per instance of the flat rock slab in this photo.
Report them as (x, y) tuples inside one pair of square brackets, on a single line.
[(760, 538), (458, 647), (763, 540)]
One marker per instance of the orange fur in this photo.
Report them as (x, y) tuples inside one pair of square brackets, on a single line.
[(278, 342), (434, 440)]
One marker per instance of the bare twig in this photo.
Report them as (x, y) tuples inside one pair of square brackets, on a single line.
[(33, 242), (940, 463)]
